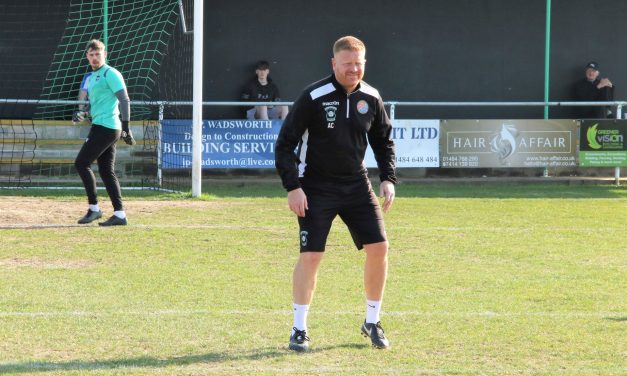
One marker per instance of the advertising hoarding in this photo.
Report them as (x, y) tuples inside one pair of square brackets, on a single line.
[(508, 143)]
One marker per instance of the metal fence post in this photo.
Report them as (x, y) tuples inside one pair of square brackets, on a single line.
[(619, 114), (159, 138)]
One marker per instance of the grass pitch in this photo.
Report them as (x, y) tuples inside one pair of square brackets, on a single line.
[(496, 279)]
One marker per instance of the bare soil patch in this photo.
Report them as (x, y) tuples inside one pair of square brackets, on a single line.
[(16, 211)]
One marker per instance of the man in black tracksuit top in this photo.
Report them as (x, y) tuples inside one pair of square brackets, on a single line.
[(330, 126), (333, 134)]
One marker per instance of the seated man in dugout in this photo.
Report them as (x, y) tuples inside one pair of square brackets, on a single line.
[(262, 89), (594, 88)]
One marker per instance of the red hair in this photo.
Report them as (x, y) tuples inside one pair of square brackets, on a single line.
[(349, 43)]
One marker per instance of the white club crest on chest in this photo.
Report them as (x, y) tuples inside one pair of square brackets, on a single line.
[(330, 113)]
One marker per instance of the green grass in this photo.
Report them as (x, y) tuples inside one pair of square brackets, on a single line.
[(491, 279), (464, 190)]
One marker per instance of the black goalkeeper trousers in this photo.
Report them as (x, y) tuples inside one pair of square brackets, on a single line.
[(100, 146)]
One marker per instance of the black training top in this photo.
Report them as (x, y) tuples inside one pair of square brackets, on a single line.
[(256, 92), (332, 129)]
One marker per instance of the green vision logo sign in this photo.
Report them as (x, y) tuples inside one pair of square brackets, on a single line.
[(602, 143), (591, 135), (604, 138)]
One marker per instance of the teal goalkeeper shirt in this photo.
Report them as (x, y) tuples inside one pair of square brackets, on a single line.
[(103, 85)]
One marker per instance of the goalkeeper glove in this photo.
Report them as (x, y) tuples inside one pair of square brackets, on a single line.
[(79, 116), (127, 136)]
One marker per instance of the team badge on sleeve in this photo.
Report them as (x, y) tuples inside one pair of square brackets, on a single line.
[(362, 107)]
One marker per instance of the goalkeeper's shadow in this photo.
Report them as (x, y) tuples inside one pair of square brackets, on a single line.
[(140, 362), (154, 362)]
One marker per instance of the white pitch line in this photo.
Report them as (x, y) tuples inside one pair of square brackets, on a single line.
[(37, 226), (26, 226), (172, 312), (202, 368), (190, 226)]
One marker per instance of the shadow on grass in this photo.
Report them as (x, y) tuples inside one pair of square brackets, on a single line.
[(617, 319), (152, 362), (356, 346)]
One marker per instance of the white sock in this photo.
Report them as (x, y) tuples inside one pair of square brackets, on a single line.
[(94, 208), (300, 316), (373, 308), (120, 214)]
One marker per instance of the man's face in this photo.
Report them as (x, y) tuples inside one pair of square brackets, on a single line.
[(349, 67), (262, 74), (592, 74), (96, 58)]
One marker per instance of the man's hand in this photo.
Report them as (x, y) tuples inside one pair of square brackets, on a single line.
[(127, 136), (386, 190), (604, 82), (79, 116), (297, 201)]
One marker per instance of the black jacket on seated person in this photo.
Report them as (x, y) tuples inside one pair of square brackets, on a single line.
[(586, 91)]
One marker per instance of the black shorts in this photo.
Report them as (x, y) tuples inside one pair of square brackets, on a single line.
[(354, 202)]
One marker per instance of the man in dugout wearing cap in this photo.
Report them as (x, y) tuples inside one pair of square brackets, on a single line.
[(593, 88)]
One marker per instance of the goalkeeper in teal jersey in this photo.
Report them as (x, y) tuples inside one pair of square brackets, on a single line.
[(108, 102)]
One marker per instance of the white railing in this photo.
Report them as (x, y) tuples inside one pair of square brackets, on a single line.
[(392, 104)]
